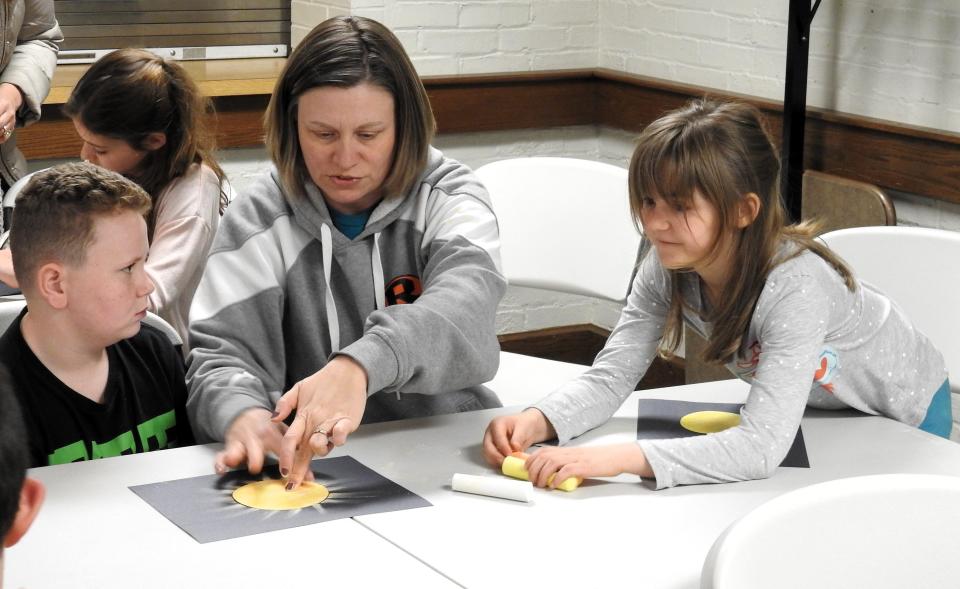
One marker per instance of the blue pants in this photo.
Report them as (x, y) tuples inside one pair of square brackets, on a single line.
[(939, 417)]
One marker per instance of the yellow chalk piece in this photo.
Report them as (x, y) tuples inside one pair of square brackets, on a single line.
[(272, 494), (513, 467), (709, 422)]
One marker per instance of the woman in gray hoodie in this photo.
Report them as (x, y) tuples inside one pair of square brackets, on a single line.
[(356, 282)]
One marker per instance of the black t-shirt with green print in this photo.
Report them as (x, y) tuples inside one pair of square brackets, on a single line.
[(143, 406)]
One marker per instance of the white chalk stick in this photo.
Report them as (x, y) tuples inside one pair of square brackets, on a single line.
[(493, 487)]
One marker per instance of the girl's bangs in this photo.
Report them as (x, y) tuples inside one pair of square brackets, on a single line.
[(667, 174)]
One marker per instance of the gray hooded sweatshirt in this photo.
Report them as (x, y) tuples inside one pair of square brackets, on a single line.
[(412, 299)]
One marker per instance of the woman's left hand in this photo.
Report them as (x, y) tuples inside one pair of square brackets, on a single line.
[(10, 101), (599, 461), (329, 407)]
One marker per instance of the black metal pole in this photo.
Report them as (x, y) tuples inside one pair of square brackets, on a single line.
[(795, 103)]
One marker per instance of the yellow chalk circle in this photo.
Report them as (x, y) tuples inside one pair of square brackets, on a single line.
[(513, 467), (709, 422), (272, 494)]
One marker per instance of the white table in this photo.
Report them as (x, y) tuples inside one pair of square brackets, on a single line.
[(94, 532), (524, 380), (613, 532)]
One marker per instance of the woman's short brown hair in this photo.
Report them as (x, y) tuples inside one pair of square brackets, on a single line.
[(345, 51)]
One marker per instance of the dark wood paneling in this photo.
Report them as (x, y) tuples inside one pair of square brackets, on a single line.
[(239, 123), (52, 137), (512, 101), (240, 120), (911, 159), (580, 344), (891, 155)]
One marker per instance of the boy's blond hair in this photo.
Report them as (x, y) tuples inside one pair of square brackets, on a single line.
[(54, 215)]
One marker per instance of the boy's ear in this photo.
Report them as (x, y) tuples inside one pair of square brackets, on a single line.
[(155, 141), (31, 497), (747, 209), (50, 284)]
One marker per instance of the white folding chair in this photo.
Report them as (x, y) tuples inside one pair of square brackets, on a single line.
[(840, 203), (881, 531), (10, 307), (565, 224), (154, 320), (917, 268), (9, 201)]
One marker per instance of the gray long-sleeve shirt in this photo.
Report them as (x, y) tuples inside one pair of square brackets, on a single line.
[(811, 341)]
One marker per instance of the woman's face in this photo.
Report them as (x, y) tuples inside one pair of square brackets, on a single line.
[(111, 153), (347, 137)]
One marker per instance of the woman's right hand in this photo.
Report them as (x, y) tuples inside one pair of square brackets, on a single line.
[(10, 101), (515, 433), (249, 438)]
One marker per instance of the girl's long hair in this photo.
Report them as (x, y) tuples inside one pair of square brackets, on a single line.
[(129, 94), (722, 150)]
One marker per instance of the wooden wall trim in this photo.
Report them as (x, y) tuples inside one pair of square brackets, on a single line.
[(239, 123), (912, 159), (908, 158), (534, 100)]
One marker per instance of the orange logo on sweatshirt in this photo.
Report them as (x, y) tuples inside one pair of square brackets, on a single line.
[(403, 290)]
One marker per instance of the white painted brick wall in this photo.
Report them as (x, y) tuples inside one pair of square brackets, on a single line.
[(305, 14), (479, 36), (879, 58)]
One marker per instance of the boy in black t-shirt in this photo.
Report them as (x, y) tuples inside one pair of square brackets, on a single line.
[(91, 382)]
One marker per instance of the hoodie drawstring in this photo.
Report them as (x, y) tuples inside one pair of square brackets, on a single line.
[(376, 266), (333, 321), (378, 285)]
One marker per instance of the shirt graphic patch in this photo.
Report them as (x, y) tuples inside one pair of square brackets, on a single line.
[(827, 368), (403, 290)]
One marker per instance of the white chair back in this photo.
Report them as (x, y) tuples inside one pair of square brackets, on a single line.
[(918, 269), (10, 307), (10, 201), (154, 320), (881, 531), (565, 224)]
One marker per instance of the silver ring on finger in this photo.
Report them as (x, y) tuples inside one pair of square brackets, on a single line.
[(319, 430)]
